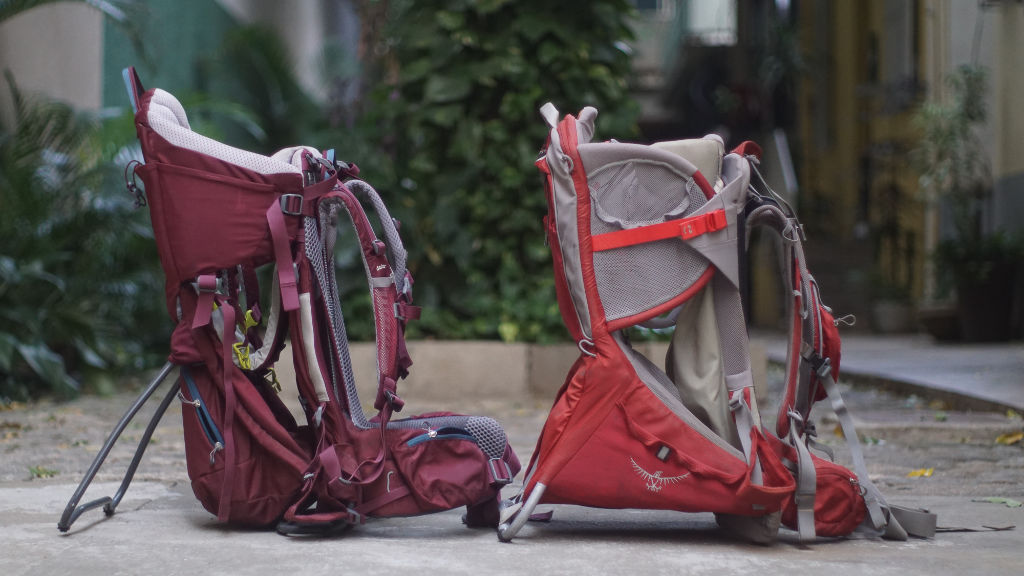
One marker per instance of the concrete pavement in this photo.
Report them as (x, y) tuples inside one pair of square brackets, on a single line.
[(981, 376), (161, 529)]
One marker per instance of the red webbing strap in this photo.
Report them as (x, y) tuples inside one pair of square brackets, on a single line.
[(748, 148), (206, 287), (224, 509), (368, 507), (685, 229), (283, 256)]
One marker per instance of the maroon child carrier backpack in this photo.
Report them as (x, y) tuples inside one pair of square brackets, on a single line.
[(654, 236), (219, 215)]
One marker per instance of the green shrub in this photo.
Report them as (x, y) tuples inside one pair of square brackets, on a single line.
[(454, 121), (79, 284)]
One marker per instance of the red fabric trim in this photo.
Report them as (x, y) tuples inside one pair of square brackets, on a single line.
[(685, 229), (569, 142), (227, 428), (283, 256), (748, 147), (702, 183)]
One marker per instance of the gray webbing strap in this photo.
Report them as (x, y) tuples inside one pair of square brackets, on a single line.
[(915, 521), (872, 496), (806, 480), (744, 424)]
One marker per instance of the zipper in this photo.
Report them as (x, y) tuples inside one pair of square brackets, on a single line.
[(450, 433), (210, 430)]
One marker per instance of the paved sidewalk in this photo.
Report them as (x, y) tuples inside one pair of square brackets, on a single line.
[(973, 374), (161, 529)]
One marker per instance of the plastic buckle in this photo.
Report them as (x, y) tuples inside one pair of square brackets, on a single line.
[(501, 479), (291, 204), (271, 379), (202, 285), (250, 320), (242, 354)]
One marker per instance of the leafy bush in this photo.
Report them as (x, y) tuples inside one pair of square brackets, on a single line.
[(455, 123), (79, 287)]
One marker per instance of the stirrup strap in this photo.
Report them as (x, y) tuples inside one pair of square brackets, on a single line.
[(283, 255)]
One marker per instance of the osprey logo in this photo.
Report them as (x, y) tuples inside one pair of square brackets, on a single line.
[(381, 267), (655, 481)]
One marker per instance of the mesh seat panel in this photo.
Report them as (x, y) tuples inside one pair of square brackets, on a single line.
[(634, 279)]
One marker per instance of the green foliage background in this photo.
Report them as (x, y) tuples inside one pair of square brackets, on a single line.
[(454, 120), (446, 128)]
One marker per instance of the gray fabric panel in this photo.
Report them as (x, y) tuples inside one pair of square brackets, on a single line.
[(597, 155), (704, 153), (564, 207), (694, 363), (663, 388)]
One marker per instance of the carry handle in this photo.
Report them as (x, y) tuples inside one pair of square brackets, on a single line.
[(134, 87)]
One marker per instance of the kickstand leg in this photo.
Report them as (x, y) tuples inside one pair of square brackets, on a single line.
[(73, 510)]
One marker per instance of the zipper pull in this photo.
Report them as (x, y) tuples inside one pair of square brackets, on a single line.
[(216, 448), (184, 400)]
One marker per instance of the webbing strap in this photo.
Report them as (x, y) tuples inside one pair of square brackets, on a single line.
[(744, 426), (283, 255), (685, 229), (806, 482), (368, 507), (206, 287), (920, 523), (872, 497), (224, 507)]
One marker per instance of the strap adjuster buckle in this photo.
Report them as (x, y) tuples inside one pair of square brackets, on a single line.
[(505, 476), (209, 284), (291, 204)]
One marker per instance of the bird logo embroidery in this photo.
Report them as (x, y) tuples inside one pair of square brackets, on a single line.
[(655, 481)]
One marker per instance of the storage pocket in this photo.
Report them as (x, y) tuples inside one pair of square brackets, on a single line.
[(190, 397), (838, 503), (441, 469), (266, 471)]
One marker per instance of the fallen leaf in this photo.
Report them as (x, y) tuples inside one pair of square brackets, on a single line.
[(921, 473), (1010, 438), (941, 416), (41, 472), (1009, 502)]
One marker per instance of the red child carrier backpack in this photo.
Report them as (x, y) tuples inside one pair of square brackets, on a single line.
[(219, 214), (652, 236)]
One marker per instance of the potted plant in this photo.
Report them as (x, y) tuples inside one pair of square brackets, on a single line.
[(955, 175)]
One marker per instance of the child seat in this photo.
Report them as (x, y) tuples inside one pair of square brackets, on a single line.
[(654, 236), (219, 215)]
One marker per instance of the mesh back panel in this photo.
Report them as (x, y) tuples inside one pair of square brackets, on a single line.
[(634, 279), (732, 330), (488, 433)]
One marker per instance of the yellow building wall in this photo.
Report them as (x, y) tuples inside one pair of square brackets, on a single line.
[(861, 122)]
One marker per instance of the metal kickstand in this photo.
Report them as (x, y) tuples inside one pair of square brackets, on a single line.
[(73, 510)]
